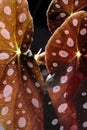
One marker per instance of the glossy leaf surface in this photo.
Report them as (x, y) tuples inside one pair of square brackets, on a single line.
[(59, 10), (21, 83), (67, 42), (65, 58)]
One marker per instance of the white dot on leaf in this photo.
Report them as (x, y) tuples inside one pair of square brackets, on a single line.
[(54, 121), (62, 108), (35, 102), (63, 53), (85, 105), (7, 10), (22, 122)]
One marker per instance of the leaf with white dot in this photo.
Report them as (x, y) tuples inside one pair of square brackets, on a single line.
[(61, 9), (20, 77), (71, 45), (62, 46), (61, 100), (81, 103)]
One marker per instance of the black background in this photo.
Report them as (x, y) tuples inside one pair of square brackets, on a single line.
[(38, 10)]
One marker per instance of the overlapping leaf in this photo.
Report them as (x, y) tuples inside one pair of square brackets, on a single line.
[(67, 42), (59, 10), (65, 56), (62, 91), (21, 83)]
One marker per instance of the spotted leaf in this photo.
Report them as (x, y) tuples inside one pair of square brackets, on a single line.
[(81, 105), (20, 102), (67, 91), (15, 26), (66, 64), (21, 83), (67, 42), (59, 10), (63, 93), (63, 49)]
